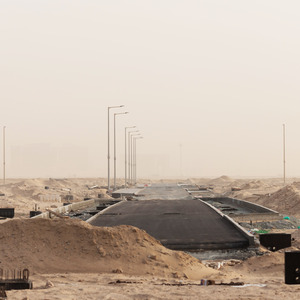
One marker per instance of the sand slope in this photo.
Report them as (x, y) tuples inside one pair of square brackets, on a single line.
[(285, 200), (68, 245), (84, 262)]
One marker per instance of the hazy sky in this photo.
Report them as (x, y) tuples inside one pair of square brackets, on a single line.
[(217, 77)]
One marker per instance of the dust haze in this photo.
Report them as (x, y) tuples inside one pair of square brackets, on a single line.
[(208, 83)]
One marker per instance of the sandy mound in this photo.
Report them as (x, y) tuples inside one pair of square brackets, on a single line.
[(221, 180), (52, 246), (285, 200), (254, 184), (241, 195), (270, 264)]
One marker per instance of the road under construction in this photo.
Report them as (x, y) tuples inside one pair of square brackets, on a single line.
[(180, 216), (177, 219)]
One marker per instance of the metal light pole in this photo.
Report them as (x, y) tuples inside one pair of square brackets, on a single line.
[(180, 154), (4, 154), (284, 154), (134, 157), (126, 154), (115, 146), (130, 134), (108, 146), (129, 152)]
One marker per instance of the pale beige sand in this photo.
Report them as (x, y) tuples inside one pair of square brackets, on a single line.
[(70, 259), (69, 245), (98, 286), (25, 194)]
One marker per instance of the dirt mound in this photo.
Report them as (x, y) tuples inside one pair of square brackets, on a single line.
[(221, 180), (254, 184), (53, 246), (285, 200), (269, 265)]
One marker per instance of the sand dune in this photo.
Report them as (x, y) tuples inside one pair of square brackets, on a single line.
[(68, 245), (285, 200)]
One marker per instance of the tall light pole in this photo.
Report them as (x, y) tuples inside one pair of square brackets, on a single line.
[(134, 157), (4, 154), (108, 146), (284, 154), (180, 158), (126, 153), (115, 146), (130, 134)]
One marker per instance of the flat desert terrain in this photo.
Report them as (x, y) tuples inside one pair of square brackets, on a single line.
[(70, 259)]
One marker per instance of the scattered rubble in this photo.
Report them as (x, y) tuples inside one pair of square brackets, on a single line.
[(292, 223)]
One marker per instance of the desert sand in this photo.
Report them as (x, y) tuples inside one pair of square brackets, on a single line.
[(70, 259)]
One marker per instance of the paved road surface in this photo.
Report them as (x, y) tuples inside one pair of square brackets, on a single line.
[(164, 192), (176, 220)]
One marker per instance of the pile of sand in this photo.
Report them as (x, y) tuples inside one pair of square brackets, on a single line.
[(221, 180), (270, 264), (261, 268), (285, 200), (254, 184), (68, 245)]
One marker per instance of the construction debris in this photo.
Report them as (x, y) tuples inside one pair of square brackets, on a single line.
[(56, 214), (15, 280), (2, 293)]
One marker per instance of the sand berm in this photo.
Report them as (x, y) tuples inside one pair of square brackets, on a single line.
[(68, 245)]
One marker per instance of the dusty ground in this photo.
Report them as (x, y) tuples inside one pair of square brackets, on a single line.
[(70, 259), (25, 194), (104, 286), (271, 193)]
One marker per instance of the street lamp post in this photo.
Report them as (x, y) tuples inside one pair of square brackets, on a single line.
[(284, 154), (4, 154), (133, 160), (108, 146), (115, 146), (130, 134), (134, 157), (126, 154)]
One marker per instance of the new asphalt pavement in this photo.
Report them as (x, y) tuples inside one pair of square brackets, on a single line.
[(168, 213)]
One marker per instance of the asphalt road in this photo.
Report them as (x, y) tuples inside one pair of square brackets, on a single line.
[(176, 220), (164, 192)]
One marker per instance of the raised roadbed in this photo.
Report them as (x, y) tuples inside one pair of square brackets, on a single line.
[(243, 231), (178, 224), (125, 192), (241, 210)]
